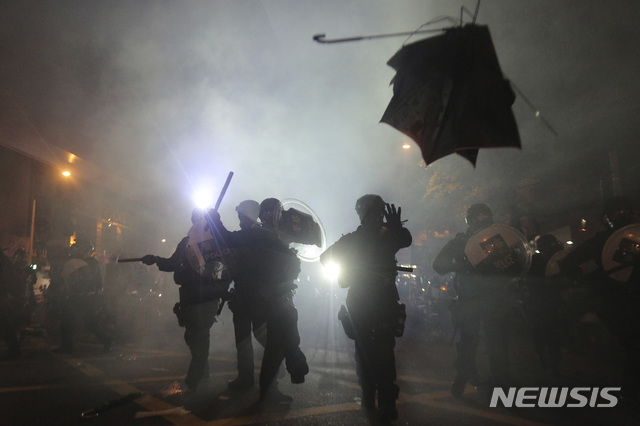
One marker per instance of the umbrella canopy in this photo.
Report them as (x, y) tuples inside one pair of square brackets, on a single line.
[(449, 95)]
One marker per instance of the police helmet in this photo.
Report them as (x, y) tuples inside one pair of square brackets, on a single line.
[(478, 215), (618, 212), (250, 209), (548, 244), (81, 249), (197, 214), (369, 203), (268, 208)]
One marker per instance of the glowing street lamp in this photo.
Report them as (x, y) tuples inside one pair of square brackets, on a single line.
[(66, 174)]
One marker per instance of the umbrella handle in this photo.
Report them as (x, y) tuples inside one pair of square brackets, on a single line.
[(321, 38)]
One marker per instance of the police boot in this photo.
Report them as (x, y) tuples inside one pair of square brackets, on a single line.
[(368, 400), (241, 383), (457, 387), (387, 414), (387, 396), (300, 370)]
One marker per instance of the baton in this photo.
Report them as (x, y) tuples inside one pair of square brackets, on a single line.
[(404, 269), (224, 190), (129, 259)]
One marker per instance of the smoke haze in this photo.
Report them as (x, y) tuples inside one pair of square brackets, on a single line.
[(173, 95)]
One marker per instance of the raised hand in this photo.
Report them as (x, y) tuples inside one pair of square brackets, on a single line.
[(392, 216)]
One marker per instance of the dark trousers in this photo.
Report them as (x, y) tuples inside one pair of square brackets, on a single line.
[(375, 357), (471, 316), (247, 317), (283, 342), (543, 313), (9, 331), (87, 310), (620, 314), (547, 341), (198, 320)]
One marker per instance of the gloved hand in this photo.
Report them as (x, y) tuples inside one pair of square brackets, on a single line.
[(213, 218), (149, 259), (392, 216)]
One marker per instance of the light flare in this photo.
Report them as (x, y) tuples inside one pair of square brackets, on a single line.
[(203, 198), (331, 271)]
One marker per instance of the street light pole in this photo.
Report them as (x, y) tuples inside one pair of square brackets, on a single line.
[(33, 221)]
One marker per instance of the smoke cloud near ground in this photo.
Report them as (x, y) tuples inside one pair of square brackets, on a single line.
[(172, 95)]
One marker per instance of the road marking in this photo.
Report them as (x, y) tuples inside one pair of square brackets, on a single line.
[(147, 401), (430, 399), (267, 417), (32, 388)]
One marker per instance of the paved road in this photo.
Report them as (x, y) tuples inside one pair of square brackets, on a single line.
[(43, 388)]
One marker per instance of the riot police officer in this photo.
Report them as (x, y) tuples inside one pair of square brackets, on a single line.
[(28, 279), (545, 303), (617, 300), (82, 300), (11, 301), (246, 306), (258, 256), (481, 302), (200, 296), (368, 268)]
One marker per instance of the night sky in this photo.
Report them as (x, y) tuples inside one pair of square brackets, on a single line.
[(172, 95)]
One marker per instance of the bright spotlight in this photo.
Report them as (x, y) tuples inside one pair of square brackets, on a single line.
[(331, 271), (203, 199)]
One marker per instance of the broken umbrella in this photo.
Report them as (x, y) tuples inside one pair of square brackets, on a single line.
[(449, 95)]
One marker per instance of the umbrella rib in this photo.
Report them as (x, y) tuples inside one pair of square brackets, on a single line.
[(321, 38), (533, 107)]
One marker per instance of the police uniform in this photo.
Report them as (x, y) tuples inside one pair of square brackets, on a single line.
[(368, 268), (248, 310), (545, 305), (617, 302), (11, 299), (482, 301), (258, 257), (200, 297), (82, 299)]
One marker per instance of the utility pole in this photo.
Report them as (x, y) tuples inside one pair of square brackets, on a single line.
[(33, 222)]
